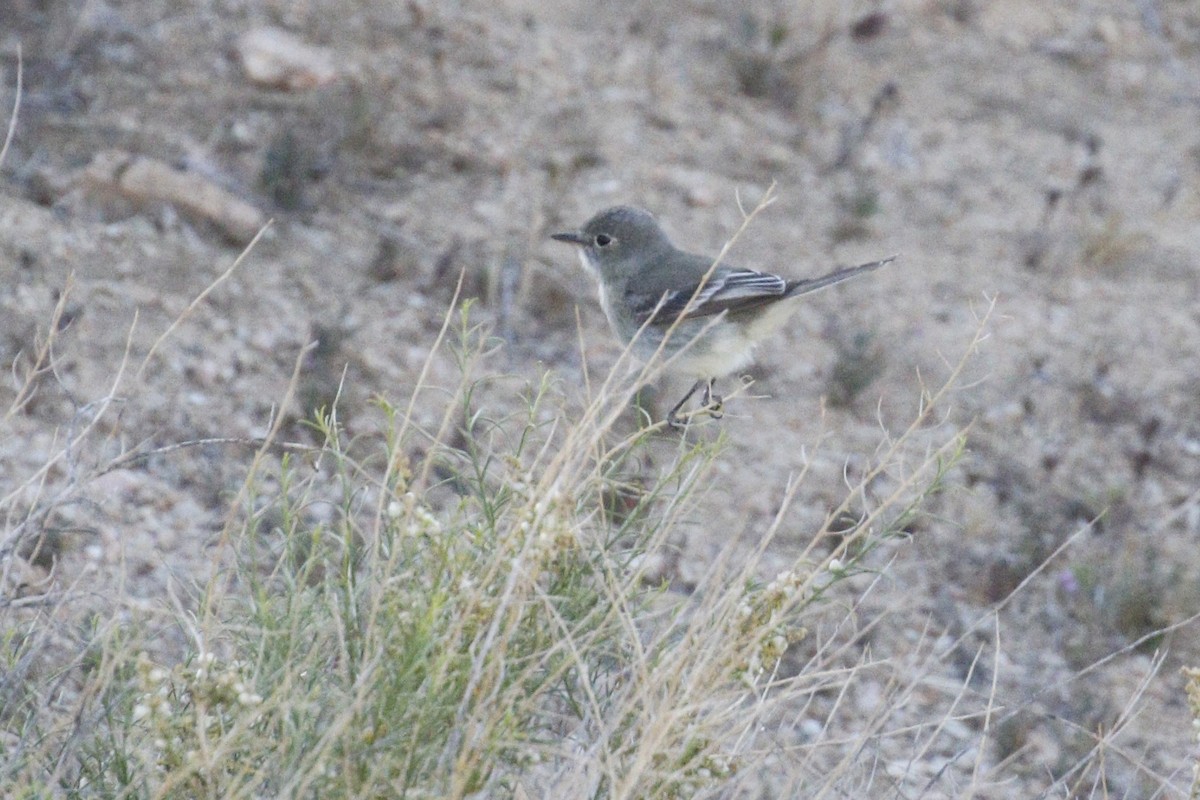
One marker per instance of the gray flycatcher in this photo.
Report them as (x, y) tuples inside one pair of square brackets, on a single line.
[(706, 321)]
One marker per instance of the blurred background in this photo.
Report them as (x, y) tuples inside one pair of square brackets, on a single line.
[(1039, 159)]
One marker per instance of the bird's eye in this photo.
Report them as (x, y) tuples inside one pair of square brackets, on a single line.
[(603, 240)]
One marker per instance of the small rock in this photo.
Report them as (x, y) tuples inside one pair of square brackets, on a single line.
[(810, 729), (122, 182), (275, 58), (1108, 31)]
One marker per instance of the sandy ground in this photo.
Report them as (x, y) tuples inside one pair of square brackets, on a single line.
[(1044, 157)]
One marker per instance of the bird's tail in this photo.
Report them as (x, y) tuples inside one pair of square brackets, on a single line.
[(837, 276)]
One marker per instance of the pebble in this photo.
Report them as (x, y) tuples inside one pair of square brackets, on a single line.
[(275, 58), (121, 181)]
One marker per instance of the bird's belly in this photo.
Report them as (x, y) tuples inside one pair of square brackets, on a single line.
[(712, 353), (727, 346)]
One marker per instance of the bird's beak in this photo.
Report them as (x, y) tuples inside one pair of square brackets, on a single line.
[(571, 237)]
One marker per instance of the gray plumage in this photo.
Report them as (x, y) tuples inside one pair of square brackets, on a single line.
[(649, 287)]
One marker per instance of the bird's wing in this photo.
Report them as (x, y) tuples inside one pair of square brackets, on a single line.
[(727, 289)]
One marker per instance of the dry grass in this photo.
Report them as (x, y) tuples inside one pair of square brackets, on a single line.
[(449, 612), (397, 644)]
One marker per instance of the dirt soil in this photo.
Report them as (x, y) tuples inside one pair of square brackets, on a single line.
[(1043, 157)]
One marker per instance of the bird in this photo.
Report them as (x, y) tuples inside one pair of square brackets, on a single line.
[(706, 320)]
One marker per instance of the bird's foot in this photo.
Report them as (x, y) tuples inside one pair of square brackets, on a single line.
[(714, 404), (677, 421), (711, 404)]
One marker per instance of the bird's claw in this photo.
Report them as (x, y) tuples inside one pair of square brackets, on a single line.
[(711, 404), (715, 406)]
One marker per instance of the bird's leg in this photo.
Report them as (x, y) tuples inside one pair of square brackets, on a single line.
[(673, 419), (713, 402)]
